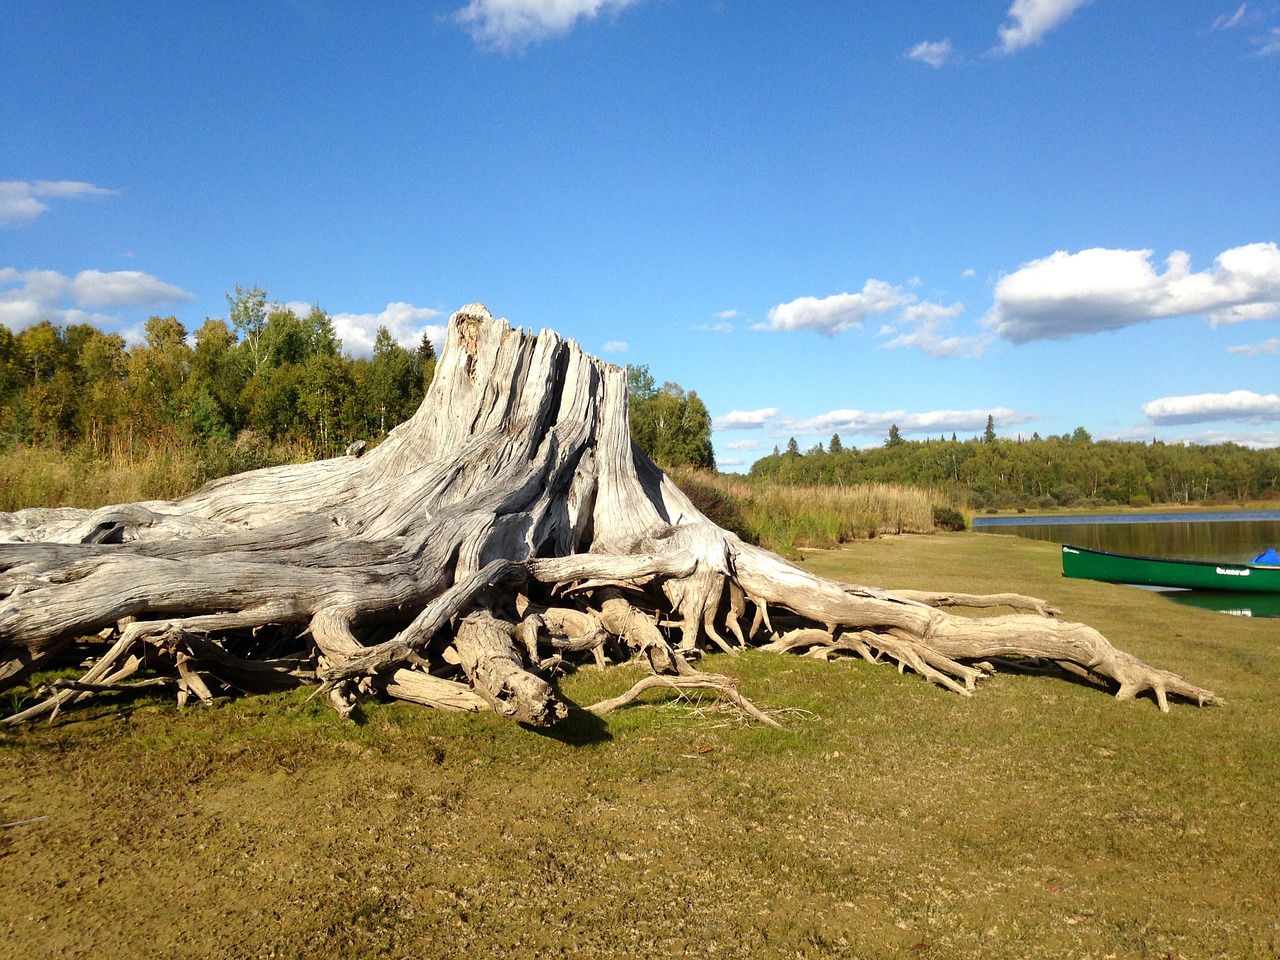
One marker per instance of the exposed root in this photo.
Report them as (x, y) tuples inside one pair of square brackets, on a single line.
[(507, 531)]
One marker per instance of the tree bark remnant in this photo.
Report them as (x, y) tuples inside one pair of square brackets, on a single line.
[(509, 525)]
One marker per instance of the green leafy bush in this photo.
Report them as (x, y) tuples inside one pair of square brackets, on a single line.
[(948, 518)]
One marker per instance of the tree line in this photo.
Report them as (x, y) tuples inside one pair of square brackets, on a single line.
[(1067, 470), (264, 369), (264, 374)]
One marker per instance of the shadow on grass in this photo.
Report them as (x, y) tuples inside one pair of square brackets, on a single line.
[(581, 728)]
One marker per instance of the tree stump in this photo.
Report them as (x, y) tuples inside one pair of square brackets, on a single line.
[(510, 525)]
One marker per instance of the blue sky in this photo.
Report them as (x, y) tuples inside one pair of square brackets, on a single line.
[(824, 217)]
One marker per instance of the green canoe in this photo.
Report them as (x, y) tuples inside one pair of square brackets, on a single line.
[(1154, 572)]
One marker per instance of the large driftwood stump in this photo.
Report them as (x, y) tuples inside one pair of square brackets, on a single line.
[(509, 526)]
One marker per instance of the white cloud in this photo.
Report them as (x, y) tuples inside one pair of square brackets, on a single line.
[(748, 444), (1227, 21), (931, 422), (120, 288), (722, 327), (1212, 407), (21, 200), (726, 314), (969, 274), (1069, 294), (405, 322), (509, 25), (29, 296), (615, 346), (744, 419), (1267, 348), (937, 53), (926, 322), (839, 312), (1267, 44), (1031, 20)]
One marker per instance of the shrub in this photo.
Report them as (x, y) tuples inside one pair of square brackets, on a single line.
[(947, 518)]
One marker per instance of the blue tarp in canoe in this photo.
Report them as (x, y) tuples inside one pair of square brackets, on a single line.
[(1268, 556)]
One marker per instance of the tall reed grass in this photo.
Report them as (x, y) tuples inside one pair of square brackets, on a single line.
[(81, 477), (785, 518), (781, 518)]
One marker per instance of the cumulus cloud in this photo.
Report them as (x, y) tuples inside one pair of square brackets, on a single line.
[(1069, 294), (122, 288), (841, 311), (21, 201), (931, 422), (405, 322), (1211, 407), (969, 274), (1267, 348), (936, 53), (511, 25), (615, 346), (1030, 20), (29, 296), (744, 419)]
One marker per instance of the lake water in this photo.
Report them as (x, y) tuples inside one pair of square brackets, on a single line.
[(1234, 535)]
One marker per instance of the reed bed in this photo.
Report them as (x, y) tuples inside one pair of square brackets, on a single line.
[(786, 519), (81, 477), (782, 518)]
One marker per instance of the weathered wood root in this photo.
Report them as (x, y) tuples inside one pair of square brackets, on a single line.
[(506, 531)]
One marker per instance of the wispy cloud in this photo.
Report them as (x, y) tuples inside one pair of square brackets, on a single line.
[(21, 201), (744, 419), (1267, 44), (405, 322), (616, 346), (1066, 295), (512, 25), (1229, 20), (925, 326), (1267, 348), (936, 53), (854, 422), (30, 296), (726, 314), (1241, 405), (1030, 20)]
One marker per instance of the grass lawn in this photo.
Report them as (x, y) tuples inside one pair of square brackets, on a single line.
[(1038, 818)]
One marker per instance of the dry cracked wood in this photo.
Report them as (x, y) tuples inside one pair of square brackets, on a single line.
[(509, 526)]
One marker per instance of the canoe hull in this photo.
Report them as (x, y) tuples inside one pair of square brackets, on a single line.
[(1084, 564)]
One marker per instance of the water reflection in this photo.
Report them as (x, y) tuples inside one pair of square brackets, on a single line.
[(1236, 537), (1240, 604)]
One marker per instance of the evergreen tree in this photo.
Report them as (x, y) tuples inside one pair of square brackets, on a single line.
[(835, 446)]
